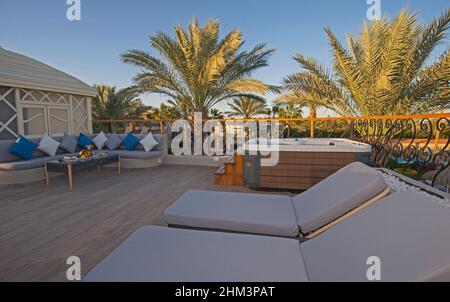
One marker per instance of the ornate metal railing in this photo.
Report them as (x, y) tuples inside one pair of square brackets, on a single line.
[(417, 146), (414, 146)]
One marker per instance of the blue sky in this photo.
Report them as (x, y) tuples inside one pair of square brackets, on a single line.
[(89, 49)]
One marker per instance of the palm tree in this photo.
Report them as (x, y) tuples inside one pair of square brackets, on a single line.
[(136, 110), (164, 112), (273, 111), (216, 114), (110, 104), (384, 71), (196, 70), (247, 107), (289, 110), (296, 101)]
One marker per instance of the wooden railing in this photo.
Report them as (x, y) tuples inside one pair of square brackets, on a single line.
[(124, 125), (415, 145)]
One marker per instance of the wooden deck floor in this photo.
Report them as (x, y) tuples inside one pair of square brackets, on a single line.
[(40, 227)]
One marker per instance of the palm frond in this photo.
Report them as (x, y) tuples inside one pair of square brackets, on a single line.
[(196, 70), (384, 70)]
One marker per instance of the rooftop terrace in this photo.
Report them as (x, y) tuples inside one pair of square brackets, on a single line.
[(42, 227)]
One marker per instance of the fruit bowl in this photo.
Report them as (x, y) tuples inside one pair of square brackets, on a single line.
[(87, 152)]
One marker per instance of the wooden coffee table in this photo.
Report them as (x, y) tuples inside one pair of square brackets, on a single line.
[(70, 166)]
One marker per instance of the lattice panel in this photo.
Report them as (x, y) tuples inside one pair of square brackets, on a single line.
[(80, 114), (8, 114), (58, 121), (62, 113), (45, 97)]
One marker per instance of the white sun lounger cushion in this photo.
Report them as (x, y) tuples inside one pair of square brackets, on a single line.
[(278, 215), (407, 232), (236, 212), (176, 255), (338, 194)]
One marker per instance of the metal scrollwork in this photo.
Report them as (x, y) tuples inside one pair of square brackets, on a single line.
[(417, 148), (442, 158)]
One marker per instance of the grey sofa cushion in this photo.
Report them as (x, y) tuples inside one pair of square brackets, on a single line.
[(113, 142), (37, 162), (100, 140), (174, 255), (160, 138), (341, 192), (137, 154), (410, 235), (48, 145), (69, 143), (5, 155), (149, 142), (239, 212)]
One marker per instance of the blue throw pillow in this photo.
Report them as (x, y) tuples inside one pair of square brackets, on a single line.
[(130, 141), (84, 140), (23, 148)]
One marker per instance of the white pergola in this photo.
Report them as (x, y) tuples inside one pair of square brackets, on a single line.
[(36, 98)]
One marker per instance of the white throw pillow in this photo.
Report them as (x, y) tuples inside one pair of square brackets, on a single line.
[(48, 145), (149, 142), (100, 140)]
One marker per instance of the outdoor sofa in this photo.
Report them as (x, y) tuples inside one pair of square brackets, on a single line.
[(14, 170), (404, 237), (306, 215)]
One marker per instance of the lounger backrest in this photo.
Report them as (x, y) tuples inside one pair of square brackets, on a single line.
[(338, 194), (407, 233)]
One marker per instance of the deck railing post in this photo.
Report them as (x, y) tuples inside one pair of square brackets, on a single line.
[(312, 116)]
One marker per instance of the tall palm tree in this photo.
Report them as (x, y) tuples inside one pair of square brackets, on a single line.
[(247, 107), (197, 70), (383, 71), (110, 104)]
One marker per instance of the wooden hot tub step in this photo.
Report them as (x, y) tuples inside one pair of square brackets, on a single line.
[(221, 178), (231, 173), (220, 171)]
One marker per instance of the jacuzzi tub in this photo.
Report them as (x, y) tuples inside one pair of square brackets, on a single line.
[(302, 162), (312, 145)]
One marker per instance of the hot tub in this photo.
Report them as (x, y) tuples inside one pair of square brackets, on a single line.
[(302, 162)]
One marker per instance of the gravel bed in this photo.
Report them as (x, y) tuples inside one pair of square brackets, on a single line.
[(396, 184)]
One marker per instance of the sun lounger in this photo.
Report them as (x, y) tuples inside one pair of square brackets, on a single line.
[(169, 255), (307, 215), (409, 234)]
